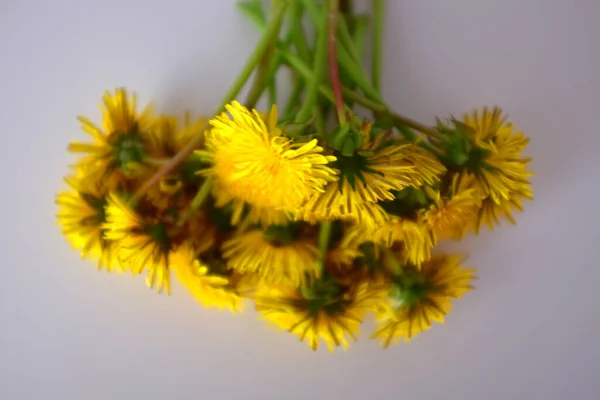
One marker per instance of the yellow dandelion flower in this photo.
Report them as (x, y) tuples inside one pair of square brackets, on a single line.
[(144, 246), (491, 211), (387, 167), (254, 162), (496, 161), (278, 255), (421, 297), (325, 311), (81, 215), (208, 288), (120, 146), (372, 174), (451, 214)]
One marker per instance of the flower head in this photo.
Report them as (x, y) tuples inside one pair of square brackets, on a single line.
[(81, 215), (323, 311), (118, 148), (372, 173), (145, 245), (491, 211), (484, 146), (420, 297), (278, 255), (256, 163)]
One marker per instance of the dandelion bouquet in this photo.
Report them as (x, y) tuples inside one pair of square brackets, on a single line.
[(315, 213)]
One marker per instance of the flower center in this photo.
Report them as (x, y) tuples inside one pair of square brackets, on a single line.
[(462, 152), (324, 294), (410, 287), (476, 159), (158, 233), (352, 168), (129, 148)]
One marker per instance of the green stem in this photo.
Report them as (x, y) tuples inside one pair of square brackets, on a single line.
[(366, 102), (260, 81), (347, 41), (297, 32), (358, 74), (324, 235), (378, 108), (197, 202), (381, 109), (157, 161), (359, 35), (269, 36), (296, 62), (406, 131), (347, 54), (410, 135), (429, 131), (294, 98), (299, 66), (272, 76), (318, 71), (253, 10), (320, 125), (313, 9), (334, 74), (378, 15), (272, 90)]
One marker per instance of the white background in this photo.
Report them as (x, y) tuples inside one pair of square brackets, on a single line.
[(530, 330)]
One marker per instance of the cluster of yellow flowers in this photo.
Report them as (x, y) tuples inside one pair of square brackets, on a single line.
[(317, 229)]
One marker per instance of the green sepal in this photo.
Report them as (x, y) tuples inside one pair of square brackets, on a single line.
[(128, 149), (346, 140), (410, 286)]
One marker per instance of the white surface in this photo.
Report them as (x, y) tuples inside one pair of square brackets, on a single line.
[(528, 332)]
